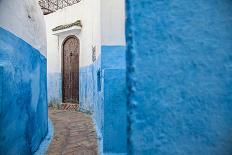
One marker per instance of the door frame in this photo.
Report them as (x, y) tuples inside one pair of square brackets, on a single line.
[(62, 66)]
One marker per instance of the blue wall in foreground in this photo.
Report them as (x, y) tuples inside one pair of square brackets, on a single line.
[(23, 104), (179, 73)]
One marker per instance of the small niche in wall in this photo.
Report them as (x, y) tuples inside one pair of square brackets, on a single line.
[(99, 80)]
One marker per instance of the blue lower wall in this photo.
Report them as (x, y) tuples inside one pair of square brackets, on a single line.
[(54, 85), (105, 98), (90, 95), (114, 89), (23, 96), (115, 122), (113, 57), (179, 77), (86, 88)]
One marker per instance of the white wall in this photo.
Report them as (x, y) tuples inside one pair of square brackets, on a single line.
[(28, 24), (88, 12), (113, 22)]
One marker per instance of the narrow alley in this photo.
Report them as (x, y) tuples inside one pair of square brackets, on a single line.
[(115, 77), (74, 133)]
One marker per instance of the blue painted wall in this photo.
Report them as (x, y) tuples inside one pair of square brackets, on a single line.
[(88, 86), (114, 89), (91, 97), (179, 74), (113, 57), (23, 107), (54, 86), (105, 98), (115, 123)]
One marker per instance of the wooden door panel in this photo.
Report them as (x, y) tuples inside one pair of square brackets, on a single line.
[(71, 70)]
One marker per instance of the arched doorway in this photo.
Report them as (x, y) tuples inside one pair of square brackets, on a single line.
[(70, 70)]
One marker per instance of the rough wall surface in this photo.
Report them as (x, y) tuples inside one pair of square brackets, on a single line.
[(23, 110), (179, 77)]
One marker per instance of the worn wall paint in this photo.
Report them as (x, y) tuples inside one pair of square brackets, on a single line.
[(54, 85), (90, 96), (23, 115), (88, 86), (179, 77)]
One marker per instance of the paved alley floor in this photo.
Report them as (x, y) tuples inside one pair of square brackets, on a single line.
[(74, 134)]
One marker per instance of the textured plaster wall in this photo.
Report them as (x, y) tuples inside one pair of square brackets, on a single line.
[(179, 69), (23, 96)]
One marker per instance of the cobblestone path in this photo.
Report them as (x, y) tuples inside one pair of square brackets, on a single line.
[(74, 134)]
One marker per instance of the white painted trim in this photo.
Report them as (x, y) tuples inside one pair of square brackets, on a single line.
[(73, 29)]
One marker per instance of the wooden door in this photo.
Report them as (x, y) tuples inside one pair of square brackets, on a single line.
[(70, 82)]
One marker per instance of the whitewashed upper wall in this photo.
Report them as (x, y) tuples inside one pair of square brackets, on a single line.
[(88, 11), (113, 22), (24, 19)]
